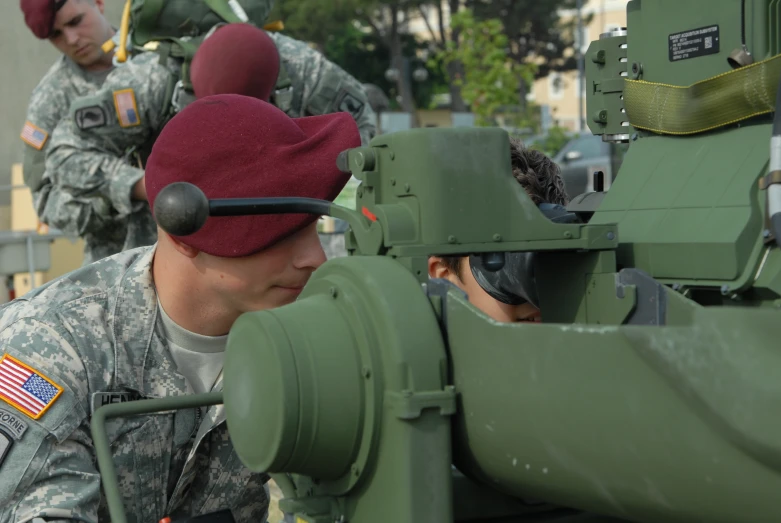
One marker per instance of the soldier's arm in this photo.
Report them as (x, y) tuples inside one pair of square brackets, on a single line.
[(91, 165), (46, 108), (46, 464), (90, 183), (328, 88)]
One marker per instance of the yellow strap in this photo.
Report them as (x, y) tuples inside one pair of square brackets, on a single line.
[(109, 45), (708, 104), (277, 25), (123, 30)]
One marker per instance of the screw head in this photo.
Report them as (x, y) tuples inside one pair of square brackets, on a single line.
[(497, 237), (725, 289), (634, 137), (611, 236), (567, 234), (334, 293), (451, 239), (766, 233)]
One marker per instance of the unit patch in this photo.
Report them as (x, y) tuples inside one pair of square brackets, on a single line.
[(25, 388), (127, 110), (5, 445), (33, 135), (349, 103), (90, 117), (12, 424)]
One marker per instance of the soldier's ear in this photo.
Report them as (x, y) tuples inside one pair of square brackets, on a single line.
[(437, 268), (181, 248)]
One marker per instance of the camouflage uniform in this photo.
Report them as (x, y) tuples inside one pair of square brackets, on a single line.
[(49, 104), (93, 163), (310, 84), (98, 330)]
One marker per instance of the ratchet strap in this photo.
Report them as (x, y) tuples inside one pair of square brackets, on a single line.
[(708, 104)]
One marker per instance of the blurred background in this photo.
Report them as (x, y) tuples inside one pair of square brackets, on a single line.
[(515, 64)]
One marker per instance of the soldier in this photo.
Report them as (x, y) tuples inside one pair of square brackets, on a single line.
[(95, 163), (153, 322), (77, 28), (541, 179)]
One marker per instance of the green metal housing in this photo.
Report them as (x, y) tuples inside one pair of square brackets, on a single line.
[(650, 391)]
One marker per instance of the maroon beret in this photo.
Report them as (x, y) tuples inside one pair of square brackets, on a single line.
[(39, 15), (236, 59), (233, 146)]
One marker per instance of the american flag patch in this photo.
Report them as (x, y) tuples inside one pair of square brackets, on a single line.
[(25, 388), (34, 136), (127, 111)]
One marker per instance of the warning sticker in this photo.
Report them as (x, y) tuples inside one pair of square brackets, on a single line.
[(694, 43)]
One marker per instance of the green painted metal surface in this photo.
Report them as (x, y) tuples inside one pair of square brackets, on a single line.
[(649, 392)]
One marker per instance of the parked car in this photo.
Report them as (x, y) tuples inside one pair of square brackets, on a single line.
[(584, 154)]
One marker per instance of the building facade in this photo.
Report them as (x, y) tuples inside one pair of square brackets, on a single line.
[(559, 92)]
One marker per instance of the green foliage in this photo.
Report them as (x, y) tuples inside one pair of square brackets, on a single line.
[(339, 30), (491, 82), (367, 56), (534, 28), (315, 20)]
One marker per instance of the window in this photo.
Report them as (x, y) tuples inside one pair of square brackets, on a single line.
[(555, 86), (588, 146)]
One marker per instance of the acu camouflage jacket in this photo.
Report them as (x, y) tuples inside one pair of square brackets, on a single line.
[(93, 331)]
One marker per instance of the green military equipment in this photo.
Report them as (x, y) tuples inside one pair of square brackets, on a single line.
[(176, 28), (156, 20), (649, 392)]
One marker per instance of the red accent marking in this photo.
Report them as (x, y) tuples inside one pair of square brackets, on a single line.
[(366, 212)]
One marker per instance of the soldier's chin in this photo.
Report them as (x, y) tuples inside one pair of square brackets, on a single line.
[(89, 58)]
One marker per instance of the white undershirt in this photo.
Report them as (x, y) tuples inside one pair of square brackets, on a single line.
[(199, 358)]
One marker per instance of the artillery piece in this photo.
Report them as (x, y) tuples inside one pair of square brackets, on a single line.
[(650, 390)]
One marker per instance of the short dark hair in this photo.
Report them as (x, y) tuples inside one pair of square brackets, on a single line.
[(537, 174)]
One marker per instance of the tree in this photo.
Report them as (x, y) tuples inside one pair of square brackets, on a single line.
[(367, 57), (315, 21), (490, 82), (534, 29), (366, 38)]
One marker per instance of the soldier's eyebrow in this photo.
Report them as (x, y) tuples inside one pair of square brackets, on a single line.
[(76, 20)]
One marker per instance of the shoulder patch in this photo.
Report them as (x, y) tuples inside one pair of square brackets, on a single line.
[(90, 117), (12, 424), (5, 445), (347, 102), (127, 110), (25, 388), (34, 135)]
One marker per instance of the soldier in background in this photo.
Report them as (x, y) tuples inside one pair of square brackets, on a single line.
[(153, 322), (77, 28), (540, 177), (94, 167)]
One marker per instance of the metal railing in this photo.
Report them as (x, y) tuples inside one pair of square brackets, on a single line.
[(28, 238)]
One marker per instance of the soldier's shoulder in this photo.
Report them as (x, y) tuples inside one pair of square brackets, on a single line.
[(58, 72), (65, 299), (53, 82), (291, 48), (140, 66)]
